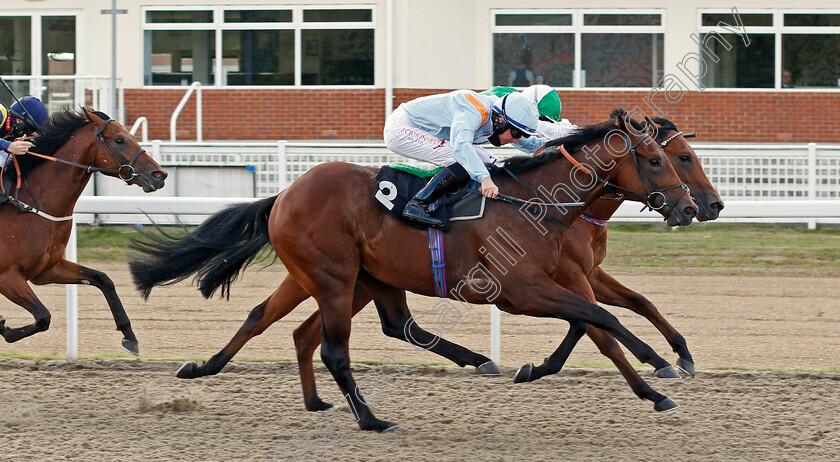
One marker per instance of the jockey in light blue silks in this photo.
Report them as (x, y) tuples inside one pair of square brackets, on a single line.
[(444, 130)]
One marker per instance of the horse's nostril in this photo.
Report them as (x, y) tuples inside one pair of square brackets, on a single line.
[(689, 211), (717, 206), (159, 174)]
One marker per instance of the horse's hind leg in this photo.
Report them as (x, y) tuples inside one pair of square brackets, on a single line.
[(610, 291), (284, 299), (18, 291), (67, 272), (335, 329), (307, 338), (397, 322)]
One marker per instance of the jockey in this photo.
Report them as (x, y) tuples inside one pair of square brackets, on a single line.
[(551, 126), (443, 129), (22, 119), (548, 102)]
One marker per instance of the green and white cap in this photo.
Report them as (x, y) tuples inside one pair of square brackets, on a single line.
[(548, 101)]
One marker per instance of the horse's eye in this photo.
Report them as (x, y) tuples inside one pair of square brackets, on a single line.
[(685, 158), (654, 162), (119, 140)]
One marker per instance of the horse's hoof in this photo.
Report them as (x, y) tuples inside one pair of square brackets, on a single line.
[(686, 366), (187, 371), (524, 373), (665, 405), (315, 405), (391, 428), (489, 369), (131, 346), (668, 372)]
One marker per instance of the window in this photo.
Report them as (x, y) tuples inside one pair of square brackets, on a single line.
[(288, 45), (810, 50), (613, 49), (37, 55)]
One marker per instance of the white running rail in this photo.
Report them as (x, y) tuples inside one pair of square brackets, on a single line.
[(143, 123), (173, 121)]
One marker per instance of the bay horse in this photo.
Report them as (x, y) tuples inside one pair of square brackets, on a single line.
[(36, 221), (583, 251), (331, 236)]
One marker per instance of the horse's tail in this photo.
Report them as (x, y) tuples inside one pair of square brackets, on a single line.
[(216, 252)]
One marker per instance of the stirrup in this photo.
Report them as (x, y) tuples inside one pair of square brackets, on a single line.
[(420, 214)]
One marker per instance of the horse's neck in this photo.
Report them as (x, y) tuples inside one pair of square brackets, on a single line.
[(54, 187), (602, 208), (553, 181)]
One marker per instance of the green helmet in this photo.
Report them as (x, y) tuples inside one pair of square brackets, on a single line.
[(548, 101)]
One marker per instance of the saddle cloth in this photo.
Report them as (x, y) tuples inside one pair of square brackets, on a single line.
[(395, 187)]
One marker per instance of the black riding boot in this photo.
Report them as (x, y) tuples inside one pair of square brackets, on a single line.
[(417, 208)]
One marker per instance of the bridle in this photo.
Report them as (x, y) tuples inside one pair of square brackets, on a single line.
[(650, 192), (125, 171)]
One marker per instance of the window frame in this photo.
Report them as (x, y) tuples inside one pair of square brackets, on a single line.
[(37, 78), (778, 29), (218, 25), (577, 28)]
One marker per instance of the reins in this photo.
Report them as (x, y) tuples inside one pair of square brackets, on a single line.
[(128, 168), (647, 199)]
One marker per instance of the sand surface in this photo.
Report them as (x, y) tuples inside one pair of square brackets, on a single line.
[(123, 409)]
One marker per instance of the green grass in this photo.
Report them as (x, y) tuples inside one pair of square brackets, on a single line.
[(723, 246), (712, 245)]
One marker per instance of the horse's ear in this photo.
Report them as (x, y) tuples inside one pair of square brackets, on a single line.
[(93, 118), (621, 123), (651, 126)]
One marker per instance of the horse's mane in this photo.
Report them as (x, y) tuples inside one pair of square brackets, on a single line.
[(51, 136), (572, 142), (665, 125)]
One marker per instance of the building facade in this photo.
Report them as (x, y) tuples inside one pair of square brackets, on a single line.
[(752, 71)]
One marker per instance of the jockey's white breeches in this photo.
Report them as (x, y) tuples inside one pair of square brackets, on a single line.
[(404, 137)]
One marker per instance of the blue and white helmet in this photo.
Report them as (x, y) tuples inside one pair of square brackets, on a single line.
[(519, 112)]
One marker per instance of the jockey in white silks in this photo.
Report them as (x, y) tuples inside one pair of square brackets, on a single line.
[(444, 130), (551, 126)]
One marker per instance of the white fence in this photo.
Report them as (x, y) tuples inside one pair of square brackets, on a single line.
[(741, 172)]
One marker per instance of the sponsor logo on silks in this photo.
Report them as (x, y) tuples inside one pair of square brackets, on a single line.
[(419, 137), (387, 193)]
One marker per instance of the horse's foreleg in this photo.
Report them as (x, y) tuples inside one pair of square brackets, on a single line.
[(548, 299), (609, 347), (18, 291), (68, 272), (307, 338), (397, 322), (609, 291), (284, 299)]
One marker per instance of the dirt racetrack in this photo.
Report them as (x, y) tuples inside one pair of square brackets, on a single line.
[(124, 409)]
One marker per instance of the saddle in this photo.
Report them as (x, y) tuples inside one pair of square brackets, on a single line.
[(398, 183)]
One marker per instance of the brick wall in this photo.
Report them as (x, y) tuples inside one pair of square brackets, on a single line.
[(797, 117)]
